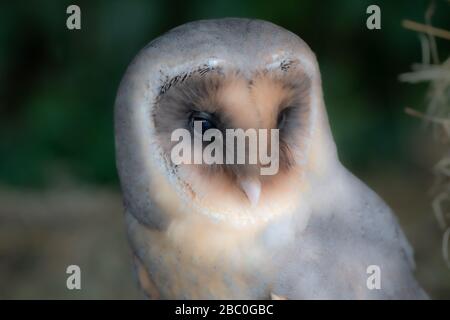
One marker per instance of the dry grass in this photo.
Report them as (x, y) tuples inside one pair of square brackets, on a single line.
[(437, 115)]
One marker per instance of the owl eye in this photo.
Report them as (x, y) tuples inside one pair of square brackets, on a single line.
[(281, 121), (206, 119)]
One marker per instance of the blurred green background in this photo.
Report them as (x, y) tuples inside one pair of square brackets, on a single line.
[(59, 197)]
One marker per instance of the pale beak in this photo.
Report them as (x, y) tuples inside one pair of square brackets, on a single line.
[(251, 188)]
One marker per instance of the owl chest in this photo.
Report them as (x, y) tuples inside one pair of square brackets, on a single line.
[(213, 264)]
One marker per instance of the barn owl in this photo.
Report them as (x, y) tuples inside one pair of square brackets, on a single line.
[(197, 231)]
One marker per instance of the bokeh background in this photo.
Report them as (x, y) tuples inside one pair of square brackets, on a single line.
[(60, 201)]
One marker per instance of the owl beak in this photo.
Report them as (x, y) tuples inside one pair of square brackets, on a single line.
[(252, 189)]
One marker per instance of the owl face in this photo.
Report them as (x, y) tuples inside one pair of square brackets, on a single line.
[(221, 74), (227, 99)]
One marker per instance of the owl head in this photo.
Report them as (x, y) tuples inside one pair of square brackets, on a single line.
[(221, 75)]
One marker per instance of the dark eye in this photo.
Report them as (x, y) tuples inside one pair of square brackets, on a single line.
[(206, 119), (282, 117)]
